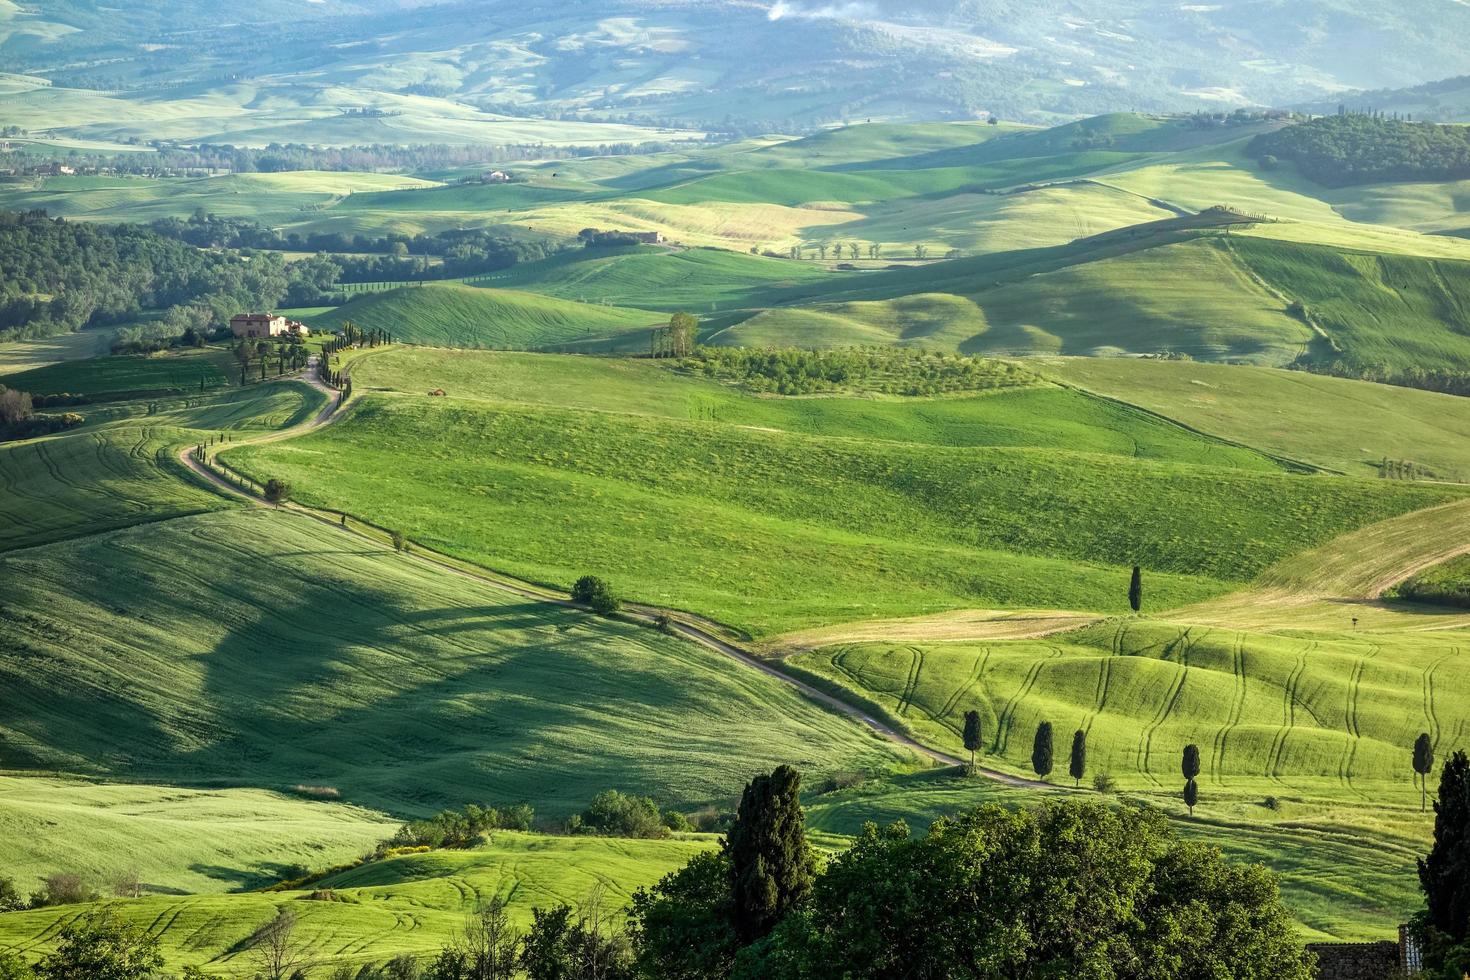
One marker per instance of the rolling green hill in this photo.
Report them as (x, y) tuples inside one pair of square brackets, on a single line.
[(103, 378), (119, 469), (1321, 715), (456, 315), (260, 649), (413, 904), (921, 528)]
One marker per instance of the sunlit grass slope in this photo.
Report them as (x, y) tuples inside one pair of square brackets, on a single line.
[(120, 469), (1329, 715), (264, 649), (456, 315), (192, 840), (413, 904), (727, 519), (126, 376), (1351, 426)]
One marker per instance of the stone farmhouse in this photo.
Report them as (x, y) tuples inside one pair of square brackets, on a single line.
[(266, 325)]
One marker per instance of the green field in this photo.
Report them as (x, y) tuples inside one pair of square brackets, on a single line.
[(199, 841), (1321, 716), (120, 469), (103, 378), (414, 904), (922, 527), (457, 315), (1291, 413), (401, 686)]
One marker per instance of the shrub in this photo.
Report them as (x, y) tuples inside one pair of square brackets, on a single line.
[(12, 967), (99, 946), (615, 815), (1104, 782), (843, 779), (593, 592), (63, 888), (677, 822), (1271, 803), (11, 900)]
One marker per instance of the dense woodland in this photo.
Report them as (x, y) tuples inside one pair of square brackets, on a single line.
[(389, 258), (57, 276), (1350, 148)]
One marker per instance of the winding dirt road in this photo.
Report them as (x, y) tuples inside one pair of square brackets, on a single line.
[(706, 633)]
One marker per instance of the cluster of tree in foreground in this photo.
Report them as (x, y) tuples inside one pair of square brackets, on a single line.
[(1367, 148)]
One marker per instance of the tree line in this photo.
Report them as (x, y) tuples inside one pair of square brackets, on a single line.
[(1364, 148)]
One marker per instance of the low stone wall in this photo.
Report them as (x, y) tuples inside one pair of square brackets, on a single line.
[(1356, 961)]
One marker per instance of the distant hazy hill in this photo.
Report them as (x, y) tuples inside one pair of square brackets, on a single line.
[(757, 64), (1447, 100)]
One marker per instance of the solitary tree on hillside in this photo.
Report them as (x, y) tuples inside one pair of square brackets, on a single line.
[(1135, 589), (594, 592), (1190, 764), (1191, 795), (1445, 873), (1423, 765), (400, 543), (1078, 768), (1041, 750), (771, 865), (972, 734), (277, 491)]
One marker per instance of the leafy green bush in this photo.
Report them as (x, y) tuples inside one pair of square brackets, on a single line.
[(614, 814), (594, 592)]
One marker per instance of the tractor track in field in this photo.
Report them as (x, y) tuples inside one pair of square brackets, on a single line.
[(1288, 712), (1237, 707), (696, 629)]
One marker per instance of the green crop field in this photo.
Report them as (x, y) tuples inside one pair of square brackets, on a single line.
[(25, 355), (200, 841), (269, 650), (1321, 716), (1349, 426), (131, 376), (119, 469), (457, 315), (923, 528), (414, 904)]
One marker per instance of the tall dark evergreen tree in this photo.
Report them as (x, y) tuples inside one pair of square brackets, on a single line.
[(1135, 590), (1191, 795), (1423, 765), (1190, 764), (771, 865), (1078, 768), (1041, 750), (973, 734), (1445, 873)]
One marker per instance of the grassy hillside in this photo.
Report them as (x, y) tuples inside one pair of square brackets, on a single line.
[(697, 279), (200, 841), (101, 378), (414, 904), (456, 315), (262, 649), (120, 469), (1389, 313), (1350, 426), (921, 528), (1322, 715)]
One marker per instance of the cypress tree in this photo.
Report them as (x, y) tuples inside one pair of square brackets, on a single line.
[(1191, 795), (1423, 765), (771, 866), (972, 734), (1078, 768), (1190, 765), (1041, 750), (1135, 589), (1445, 873)]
